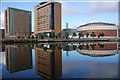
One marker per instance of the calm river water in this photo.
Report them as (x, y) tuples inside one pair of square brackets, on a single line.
[(61, 60)]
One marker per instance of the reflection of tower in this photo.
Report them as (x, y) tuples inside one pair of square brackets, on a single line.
[(67, 53), (49, 62), (18, 58)]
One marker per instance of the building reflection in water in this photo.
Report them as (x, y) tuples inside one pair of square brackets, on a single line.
[(18, 58), (49, 60), (69, 47), (98, 49), (2, 48)]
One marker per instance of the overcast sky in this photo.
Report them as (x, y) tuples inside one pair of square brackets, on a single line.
[(75, 12)]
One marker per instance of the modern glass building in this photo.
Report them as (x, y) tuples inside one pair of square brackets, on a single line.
[(47, 18), (17, 22)]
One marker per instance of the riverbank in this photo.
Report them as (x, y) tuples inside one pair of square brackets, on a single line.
[(59, 40)]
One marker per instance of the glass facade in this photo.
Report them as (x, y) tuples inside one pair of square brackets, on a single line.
[(12, 31), (52, 16)]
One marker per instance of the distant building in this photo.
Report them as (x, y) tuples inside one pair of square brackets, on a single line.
[(47, 18), (100, 29), (69, 31), (2, 34), (18, 58), (17, 23)]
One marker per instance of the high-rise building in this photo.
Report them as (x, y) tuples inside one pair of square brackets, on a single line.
[(48, 18), (17, 22)]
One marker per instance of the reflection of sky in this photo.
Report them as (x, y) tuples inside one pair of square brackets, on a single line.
[(2, 58), (77, 65), (89, 69)]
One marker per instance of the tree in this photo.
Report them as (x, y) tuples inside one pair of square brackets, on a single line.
[(87, 46), (87, 34), (45, 34), (80, 47), (36, 37), (28, 37), (56, 36), (101, 34), (32, 37), (59, 34), (18, 37), (101, 45), (52, 35), (74, 34), (93, 34), (80, 34), (66, 35), (93, 46)]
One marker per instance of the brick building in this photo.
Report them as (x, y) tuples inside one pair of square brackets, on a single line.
[(47, 18), (17, 22), (100, 29)]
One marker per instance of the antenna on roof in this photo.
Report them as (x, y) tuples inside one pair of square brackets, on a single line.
[(67, 25)]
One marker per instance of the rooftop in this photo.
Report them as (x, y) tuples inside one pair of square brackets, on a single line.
[(18, 9), (98, 23)]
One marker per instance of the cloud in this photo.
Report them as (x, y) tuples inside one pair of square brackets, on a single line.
[(2, 20), (70, 9), (102, 7), (90, 8)]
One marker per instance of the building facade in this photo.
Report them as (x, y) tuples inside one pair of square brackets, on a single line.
[(17, 22), (2, 34), (47, 18), (106, 30)]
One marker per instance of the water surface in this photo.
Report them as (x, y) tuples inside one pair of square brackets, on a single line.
[(61, 60)]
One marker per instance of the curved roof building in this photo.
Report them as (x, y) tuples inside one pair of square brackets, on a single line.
[(107, 29)]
